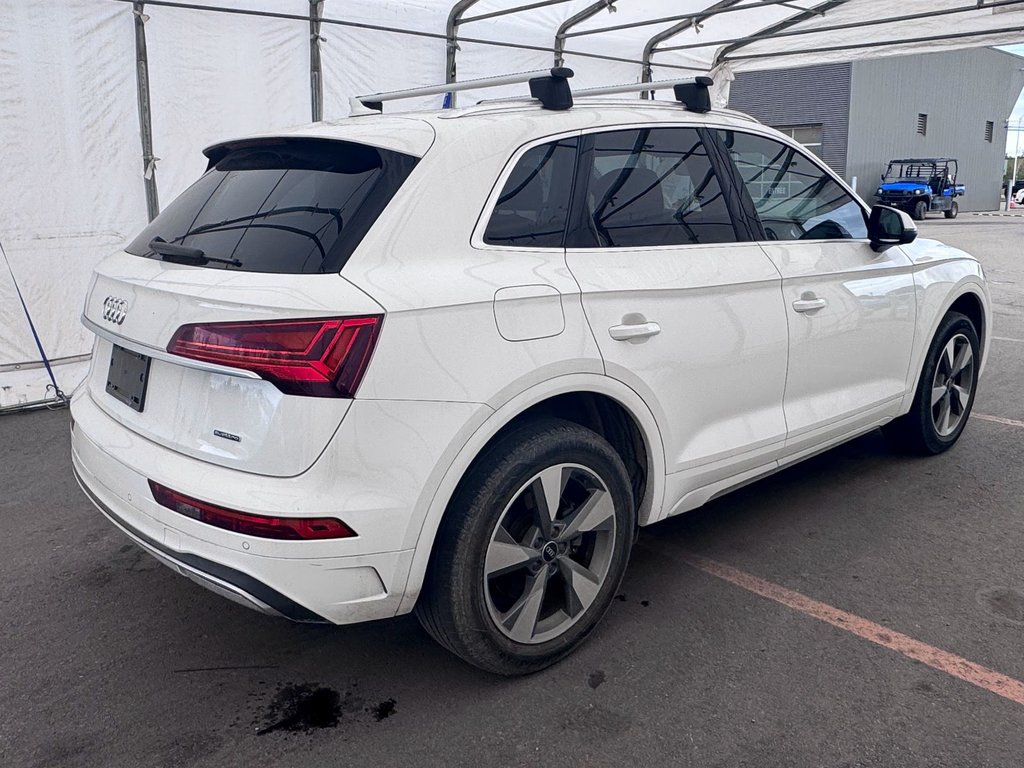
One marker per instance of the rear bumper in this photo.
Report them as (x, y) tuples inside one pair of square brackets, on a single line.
[(340, 581), (234, 585)]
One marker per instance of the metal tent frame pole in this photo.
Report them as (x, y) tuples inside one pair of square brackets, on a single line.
[(514, 9), (678, 17), (691, 21), (587, 13), (145, 111), (452, 43), (877, 44), (316, 72), (781, 30)]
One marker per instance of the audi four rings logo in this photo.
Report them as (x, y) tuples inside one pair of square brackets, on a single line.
[(115, 310)]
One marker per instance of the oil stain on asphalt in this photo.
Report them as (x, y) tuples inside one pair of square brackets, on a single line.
[(303, 708), (1003, 602)]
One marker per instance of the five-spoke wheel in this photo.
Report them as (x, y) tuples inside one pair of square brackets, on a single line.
[(945, 391), (952, 385), (549, 554), (532, 548)]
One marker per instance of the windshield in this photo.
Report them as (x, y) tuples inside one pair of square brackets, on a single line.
[(286, 206)]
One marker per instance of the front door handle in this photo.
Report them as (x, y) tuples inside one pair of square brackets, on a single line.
[(808, 302), (634, 331)]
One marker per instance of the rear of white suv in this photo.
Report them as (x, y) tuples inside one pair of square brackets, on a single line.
[(209, 429), (453, 362)]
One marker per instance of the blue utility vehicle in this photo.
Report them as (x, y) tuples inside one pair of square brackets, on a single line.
[(921, 185)]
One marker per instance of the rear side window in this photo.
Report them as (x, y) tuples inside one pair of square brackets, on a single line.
[(651, 187), (534, 203), (795, 199), (285, 206)]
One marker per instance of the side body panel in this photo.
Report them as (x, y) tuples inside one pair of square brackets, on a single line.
[(848, 360)]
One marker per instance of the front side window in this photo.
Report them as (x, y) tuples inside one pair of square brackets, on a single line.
[(534, 203), (795, 199), (651, 187), (290, 206)]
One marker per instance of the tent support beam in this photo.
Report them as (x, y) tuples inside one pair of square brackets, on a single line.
[(514, 9), (452, 43), (679, 17), (694, 20), (879, 44), (771, 31), (772, 34), (587, 13), (316, 71), (145, 111)]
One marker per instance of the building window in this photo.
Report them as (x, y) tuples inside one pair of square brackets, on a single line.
[(807, 135), (922, 124), (989, 130)]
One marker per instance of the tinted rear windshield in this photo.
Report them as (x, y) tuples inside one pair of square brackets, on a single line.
[(292, 206)]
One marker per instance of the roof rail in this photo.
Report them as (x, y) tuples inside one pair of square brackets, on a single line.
[(549, 86), (691, 92)]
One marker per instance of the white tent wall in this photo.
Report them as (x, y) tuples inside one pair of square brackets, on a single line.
[(358, 61), (215, 76), (70, 148), (72, 188)]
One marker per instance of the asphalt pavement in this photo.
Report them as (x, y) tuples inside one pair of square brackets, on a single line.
[(109, 659)]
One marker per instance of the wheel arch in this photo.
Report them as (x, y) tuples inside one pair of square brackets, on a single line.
[(969, 298), (598, 402)]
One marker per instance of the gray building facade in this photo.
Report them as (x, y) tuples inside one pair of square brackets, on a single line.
[(857, 116)]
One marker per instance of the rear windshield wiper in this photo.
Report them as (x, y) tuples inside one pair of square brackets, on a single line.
[(183, 254)]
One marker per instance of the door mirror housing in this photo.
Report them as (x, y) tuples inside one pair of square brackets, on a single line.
[(888, 227)]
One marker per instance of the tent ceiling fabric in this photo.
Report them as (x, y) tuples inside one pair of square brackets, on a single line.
[(73, 173)]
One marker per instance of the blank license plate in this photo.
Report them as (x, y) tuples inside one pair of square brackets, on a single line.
[(126, 379)]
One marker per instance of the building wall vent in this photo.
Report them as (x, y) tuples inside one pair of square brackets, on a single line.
[(922, 124), (989, 130)]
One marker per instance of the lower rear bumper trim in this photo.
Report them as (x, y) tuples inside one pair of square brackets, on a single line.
[(243, 583)]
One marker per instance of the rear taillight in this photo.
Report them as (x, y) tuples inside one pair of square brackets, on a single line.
[(291, 528), (322, 357)]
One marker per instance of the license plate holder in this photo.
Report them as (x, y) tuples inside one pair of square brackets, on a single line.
[(128, 376)]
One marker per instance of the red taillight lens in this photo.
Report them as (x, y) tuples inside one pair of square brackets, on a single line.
[(322, 357), (292, 528)]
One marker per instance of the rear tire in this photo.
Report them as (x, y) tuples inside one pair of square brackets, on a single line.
[(920, 210), (510, 588), (945, 392), (954, 209)]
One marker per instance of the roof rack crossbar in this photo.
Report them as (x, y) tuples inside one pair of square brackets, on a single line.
[(550, 86), (692, 92)]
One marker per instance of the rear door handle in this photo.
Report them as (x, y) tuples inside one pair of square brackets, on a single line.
[(809, 303), (634, 331)]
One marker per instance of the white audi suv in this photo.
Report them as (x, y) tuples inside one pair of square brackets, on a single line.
[(451, 361)]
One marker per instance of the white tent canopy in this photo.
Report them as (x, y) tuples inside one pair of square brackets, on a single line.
[(105, 104)]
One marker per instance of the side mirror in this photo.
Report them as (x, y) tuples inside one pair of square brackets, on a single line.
[(888, 227)]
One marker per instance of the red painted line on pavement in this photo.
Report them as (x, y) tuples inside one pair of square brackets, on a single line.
[(998, 420), (936, 658)]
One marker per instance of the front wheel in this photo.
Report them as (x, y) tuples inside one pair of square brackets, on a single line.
[(954, 209), (531, 550), (945, 392), (920, 210)]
